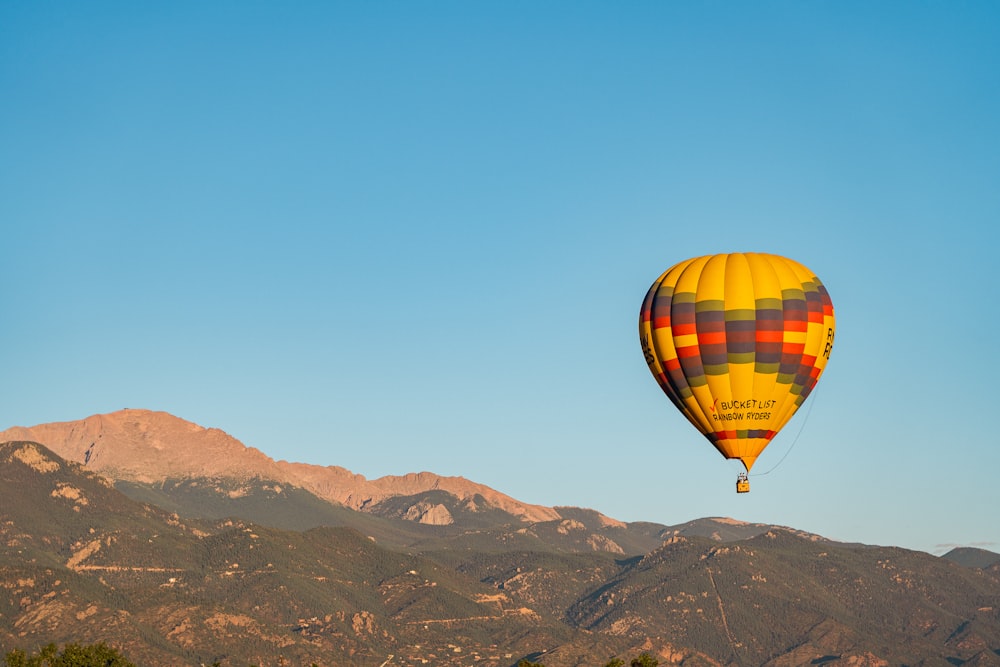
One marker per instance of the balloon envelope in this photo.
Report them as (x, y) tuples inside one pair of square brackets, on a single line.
[(737, 342)]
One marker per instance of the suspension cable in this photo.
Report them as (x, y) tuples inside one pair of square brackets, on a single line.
[(795, 440)]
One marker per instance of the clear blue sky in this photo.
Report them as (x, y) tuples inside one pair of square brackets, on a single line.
[(398, 236)]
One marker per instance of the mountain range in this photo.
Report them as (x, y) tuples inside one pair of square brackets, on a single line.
[(149, 447), (182, 546)]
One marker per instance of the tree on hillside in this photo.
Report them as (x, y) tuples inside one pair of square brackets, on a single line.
[(72, 655), (644, 660), (615, 662)]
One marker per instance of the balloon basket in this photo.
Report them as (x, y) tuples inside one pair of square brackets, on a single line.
[(742, 484)]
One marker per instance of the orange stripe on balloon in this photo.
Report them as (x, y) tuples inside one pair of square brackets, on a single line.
[(770, 336), (712, 338)]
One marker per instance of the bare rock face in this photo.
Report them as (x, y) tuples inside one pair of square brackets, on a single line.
[(599, 542), (146, 446), (434, 515)]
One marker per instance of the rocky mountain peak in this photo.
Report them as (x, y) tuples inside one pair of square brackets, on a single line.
[(147, 446)]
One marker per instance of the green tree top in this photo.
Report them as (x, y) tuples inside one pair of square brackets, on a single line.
[(644, 660), (72, 655)]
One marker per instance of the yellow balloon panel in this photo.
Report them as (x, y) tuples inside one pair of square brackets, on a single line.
[(737, 342)]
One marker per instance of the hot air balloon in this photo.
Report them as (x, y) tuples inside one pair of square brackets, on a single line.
[(737, 342)]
